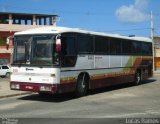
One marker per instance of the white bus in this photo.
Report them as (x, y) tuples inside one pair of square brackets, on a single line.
[(58, 60)]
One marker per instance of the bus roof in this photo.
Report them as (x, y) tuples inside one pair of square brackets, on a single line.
[(58, 30)]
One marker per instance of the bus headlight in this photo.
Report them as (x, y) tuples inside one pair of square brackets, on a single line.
[(45, 88), (15, 86)]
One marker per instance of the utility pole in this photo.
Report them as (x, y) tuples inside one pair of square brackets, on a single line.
[(152, 38)]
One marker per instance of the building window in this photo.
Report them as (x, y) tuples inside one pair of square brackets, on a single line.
[(3, 21), (4, 61)]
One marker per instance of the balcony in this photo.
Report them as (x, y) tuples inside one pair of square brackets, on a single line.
[(13, 22), (17, 27)]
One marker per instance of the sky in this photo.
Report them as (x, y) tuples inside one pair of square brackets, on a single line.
[(125, 17)]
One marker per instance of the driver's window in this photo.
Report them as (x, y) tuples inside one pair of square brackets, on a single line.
[(68, 53)]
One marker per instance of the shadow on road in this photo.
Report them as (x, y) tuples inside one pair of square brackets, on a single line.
[(71, 96), (120, 86), (49, 97)]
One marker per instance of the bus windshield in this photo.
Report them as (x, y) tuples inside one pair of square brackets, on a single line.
[(35, 50)]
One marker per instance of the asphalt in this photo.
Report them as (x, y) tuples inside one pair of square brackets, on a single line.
[(119, 102), (157, 72), (5, 89), (6, 92)]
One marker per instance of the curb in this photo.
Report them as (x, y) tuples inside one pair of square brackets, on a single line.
[(17, 94)]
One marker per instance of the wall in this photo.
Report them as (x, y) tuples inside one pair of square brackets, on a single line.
[(5, 58)]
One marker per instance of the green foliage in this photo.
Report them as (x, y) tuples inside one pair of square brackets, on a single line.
[(2, 41), (3, 21)]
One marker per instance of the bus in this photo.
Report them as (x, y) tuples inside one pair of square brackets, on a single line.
[(59, 60)]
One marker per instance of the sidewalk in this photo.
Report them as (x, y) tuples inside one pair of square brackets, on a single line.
[(5, 89), (156, 73)]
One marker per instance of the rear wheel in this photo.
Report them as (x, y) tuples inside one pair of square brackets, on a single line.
[(82, 85), (137, 79)]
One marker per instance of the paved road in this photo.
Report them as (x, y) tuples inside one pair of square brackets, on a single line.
[(5, 89), (125, 101)]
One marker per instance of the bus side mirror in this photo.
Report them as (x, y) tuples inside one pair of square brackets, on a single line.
[(58, 45)]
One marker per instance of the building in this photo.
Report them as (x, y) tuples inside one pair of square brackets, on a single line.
[(14, 22), (157, 52)]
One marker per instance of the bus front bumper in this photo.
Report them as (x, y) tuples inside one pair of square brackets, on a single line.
[(34, 87)]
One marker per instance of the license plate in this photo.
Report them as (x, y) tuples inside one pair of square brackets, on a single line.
[(29, 87)]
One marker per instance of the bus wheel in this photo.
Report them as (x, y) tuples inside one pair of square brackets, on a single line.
[(137, 79), (82, 85)]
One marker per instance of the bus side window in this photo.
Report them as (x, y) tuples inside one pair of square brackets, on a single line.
[(68, 53), (115, 46), (136, 48), (85, 43), (146, 48)]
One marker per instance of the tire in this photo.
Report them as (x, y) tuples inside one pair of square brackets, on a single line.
[(137, 79), (82, 85), (7, 74)]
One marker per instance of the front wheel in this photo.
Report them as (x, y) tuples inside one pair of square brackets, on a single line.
[(137, 79), (82, 85)]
